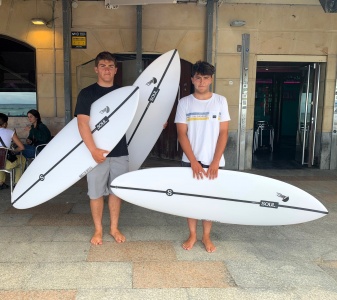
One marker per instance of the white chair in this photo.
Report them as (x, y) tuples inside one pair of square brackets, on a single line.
[(38, 149)]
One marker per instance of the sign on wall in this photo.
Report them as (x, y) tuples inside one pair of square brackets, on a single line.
[(78, 40)]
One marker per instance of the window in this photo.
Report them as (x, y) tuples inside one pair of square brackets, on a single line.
[(17, 77)]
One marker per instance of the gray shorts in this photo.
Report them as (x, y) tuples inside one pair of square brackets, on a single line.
[(99, 179)]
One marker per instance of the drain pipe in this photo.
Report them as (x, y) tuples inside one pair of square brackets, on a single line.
[(209, 29), (139, 64), (66, 13)]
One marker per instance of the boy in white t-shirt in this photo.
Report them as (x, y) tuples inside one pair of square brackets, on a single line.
[(202, 124)]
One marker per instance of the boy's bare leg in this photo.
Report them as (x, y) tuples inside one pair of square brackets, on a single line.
[(192, 239), (97, 206), (115, 207), (209, 246)]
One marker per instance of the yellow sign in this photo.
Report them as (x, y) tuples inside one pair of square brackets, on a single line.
[(79, 40)]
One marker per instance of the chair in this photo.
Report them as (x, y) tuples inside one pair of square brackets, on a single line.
[(3, 159), (38, 149)]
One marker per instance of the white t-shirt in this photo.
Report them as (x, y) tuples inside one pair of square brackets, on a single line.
[(203, 119), (6, 135)]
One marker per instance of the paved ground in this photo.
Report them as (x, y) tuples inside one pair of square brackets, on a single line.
[(46, 254)]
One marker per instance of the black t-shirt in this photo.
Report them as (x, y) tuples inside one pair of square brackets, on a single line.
[(88, 96)]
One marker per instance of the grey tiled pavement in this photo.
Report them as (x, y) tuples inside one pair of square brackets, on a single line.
[(46, 254)]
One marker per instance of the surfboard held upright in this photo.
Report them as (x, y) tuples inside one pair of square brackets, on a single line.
[(158, 86)]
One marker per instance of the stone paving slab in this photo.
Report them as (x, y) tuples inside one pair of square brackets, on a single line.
[(38, 295), (314, 293), (4, 205), (61, 220), (80, 275), (269, 293), (45, 208), (28, 233), (329, 266), (34, 252), (292, 250), (14, 275), (175, 220), (181, 275), (82, 208), (207, 294), (226, 232), (242, 294), (134, 294), (324, 228), (157, 233), (327, 198), (14, 220), (282, 274), (133, 251), (72, 234), (142, 218)]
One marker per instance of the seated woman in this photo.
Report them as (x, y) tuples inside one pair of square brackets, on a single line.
[(8, 136), (38, 134)]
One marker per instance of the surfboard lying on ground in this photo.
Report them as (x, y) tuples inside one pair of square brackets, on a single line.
[(234, 197), (66, 159), (158, 86)]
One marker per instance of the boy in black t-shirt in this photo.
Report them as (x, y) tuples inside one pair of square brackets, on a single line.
[(110, 165)]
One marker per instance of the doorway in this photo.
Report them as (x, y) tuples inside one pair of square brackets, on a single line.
[(286, 116)]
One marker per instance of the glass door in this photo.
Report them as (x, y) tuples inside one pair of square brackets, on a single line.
[(307, 115)]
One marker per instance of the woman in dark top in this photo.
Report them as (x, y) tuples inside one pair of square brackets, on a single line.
[(38, 134)]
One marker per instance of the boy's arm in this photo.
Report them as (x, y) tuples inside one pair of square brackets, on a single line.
[(18, 143), (85, 132), (186, 146), (212, 171)]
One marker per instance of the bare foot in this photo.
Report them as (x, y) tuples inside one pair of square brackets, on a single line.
[(118, 236), (188, 245), (97, 238), (209, 246)]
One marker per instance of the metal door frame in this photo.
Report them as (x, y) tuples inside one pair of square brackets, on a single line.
[(309, 125)]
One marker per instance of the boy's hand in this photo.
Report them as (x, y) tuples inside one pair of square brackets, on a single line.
[(212, 172), (99, 155), (198, 170)]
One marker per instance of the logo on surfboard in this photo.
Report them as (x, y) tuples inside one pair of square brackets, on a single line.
[(154, 94), (105, 110), (86, 172), (269, 204), (153, 80), (102, 123), (284, 198), (169, 192)]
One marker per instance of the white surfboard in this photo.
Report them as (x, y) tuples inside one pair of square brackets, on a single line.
[(158, 86), (234, 197), (66, 159)]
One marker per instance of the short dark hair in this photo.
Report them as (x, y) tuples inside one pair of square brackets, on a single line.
[(3, 119), (203, 68), (105, 55), (36, 114)]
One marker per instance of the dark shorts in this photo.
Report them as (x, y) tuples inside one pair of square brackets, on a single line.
[(185, 164)]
